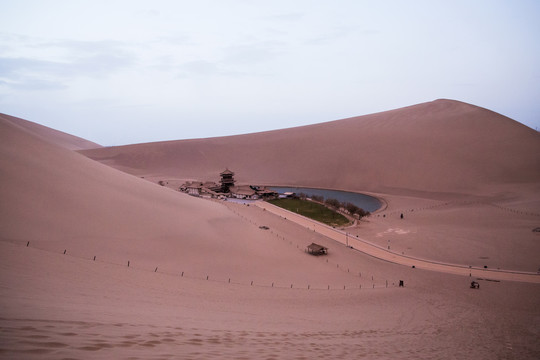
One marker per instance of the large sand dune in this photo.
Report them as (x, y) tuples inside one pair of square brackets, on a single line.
[(59, 200), (442, 146), (466, 178)]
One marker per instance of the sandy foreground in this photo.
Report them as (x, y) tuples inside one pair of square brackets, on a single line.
[(204, 281), (62, 306)]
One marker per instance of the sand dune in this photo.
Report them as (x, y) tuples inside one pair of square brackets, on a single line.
[(442, 146), (60, 200), (204, 281), (57, 137)]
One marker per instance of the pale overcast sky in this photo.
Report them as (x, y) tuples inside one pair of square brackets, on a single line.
[(120, 72)]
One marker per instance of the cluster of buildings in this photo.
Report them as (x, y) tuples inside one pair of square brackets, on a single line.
[(227, 189)]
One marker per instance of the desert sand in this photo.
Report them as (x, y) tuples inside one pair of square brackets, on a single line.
[(98, 261)]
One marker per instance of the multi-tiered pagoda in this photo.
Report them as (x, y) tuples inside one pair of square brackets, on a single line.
[(227, 180)]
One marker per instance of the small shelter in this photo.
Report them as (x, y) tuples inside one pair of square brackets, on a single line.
[(316, 249)]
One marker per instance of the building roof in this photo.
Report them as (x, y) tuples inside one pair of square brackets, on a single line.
[(211, 184), (210, 191), (242, 190), (227, 172), (316, 247)]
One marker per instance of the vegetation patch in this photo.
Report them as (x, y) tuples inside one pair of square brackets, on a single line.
[(312, 210), (347, 207)]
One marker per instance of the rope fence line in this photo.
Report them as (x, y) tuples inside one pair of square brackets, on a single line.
[(520, 212), (345, 269), (229, 280)]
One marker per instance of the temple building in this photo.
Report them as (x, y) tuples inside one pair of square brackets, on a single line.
[(227, 189), (244, 192), (227, 180)]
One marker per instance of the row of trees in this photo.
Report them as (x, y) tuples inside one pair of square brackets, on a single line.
[(336, 204)]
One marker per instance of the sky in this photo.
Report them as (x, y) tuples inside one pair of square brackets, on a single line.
[(123, 72)]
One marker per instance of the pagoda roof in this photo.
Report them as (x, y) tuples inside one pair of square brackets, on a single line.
[(227, 172)]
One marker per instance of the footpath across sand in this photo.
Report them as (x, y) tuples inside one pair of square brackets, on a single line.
[(377, 251)]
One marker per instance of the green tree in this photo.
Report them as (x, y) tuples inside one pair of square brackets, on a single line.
[(333, 203)]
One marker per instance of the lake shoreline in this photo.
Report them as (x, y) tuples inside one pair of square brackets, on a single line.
[(367, 202)]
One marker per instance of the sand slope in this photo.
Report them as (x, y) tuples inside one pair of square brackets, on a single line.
[(442, 146), (59, 200), (57, 137)]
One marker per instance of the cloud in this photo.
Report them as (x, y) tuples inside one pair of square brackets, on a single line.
[(29, 70), (33, 84), (98, 65), (238, 60), (175, 40), (205, 68), (285, 17), (201, 67), (330, 36), (29, 74), (44, 65), (10, 67), (251, 53)]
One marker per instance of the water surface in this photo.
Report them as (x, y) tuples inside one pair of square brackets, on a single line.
[(363, 201)]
